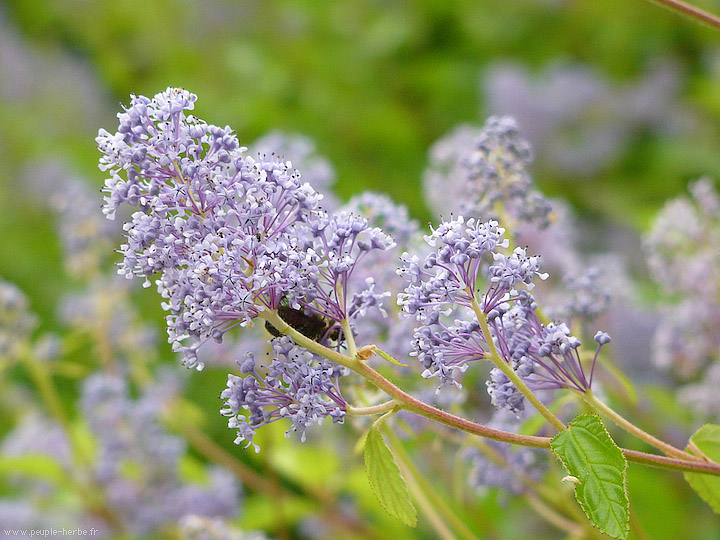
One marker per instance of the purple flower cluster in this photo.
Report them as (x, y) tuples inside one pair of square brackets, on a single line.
[(229, 235), (297, 385), (683, 250), (484, 173), (447, 280), (446, 283)]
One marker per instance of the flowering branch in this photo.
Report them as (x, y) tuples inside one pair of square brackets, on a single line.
[(408, 402)]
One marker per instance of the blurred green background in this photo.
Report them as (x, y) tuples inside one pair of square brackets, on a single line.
[(374, 84)]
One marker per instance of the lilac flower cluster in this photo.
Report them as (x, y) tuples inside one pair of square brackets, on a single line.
[(217, 225), (297, 385), (229, 235), (137, 459), (447, 282), (484, 173), (545, 356), (683, 250), (447, 279)]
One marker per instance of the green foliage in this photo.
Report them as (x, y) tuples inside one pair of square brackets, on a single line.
[(374, 84), (386, 480), (706, 442), (598, 467)]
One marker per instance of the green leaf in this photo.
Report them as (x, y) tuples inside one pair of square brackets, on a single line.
[(386, 480), (707, 441), (389, 358), (591, 456)]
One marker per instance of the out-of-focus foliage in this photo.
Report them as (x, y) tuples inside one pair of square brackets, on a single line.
[(625, 92)]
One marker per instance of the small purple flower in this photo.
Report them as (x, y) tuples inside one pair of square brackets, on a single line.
[(448, 275), (297, 385)]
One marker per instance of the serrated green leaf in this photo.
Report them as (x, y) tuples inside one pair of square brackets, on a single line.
[(591, 456), (386, 480), (707, 440), (389, 358)]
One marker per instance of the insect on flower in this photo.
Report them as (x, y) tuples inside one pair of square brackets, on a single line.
[(313, 325)]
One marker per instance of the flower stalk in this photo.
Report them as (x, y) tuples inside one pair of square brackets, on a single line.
[(503, 366)]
